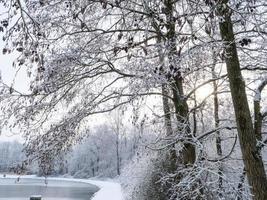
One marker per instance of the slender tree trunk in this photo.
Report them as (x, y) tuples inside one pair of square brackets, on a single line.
[(258, 116), (257, 120), (252, 159), (216, 118), (195, 116), (97, 159), (118, 154)]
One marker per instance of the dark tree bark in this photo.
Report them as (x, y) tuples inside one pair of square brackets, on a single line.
[(171, 157), (252, 159), (258, 116), (181, 108), (118, 154), (216, 118)]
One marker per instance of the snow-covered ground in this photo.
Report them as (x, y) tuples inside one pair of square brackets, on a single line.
[(108, 190)]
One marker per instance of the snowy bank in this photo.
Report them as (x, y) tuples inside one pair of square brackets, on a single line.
[(108, 190)]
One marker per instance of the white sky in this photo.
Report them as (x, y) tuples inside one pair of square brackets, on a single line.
[(8, 75)]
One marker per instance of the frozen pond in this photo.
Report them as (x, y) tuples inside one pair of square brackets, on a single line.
[(55, 190)]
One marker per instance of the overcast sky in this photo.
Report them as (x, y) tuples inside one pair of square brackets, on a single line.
[(8, 76)]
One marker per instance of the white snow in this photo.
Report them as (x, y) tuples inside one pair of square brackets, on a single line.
[(108, 190)]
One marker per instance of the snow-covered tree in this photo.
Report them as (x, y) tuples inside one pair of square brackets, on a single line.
[(87, 57)]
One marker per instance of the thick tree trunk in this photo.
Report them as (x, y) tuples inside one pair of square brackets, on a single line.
[(171, 159), (167, 110), (180, 104), (181, 110), (252, 159), (169, 131)]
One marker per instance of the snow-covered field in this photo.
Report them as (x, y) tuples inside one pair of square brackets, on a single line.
[(108, 190)]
